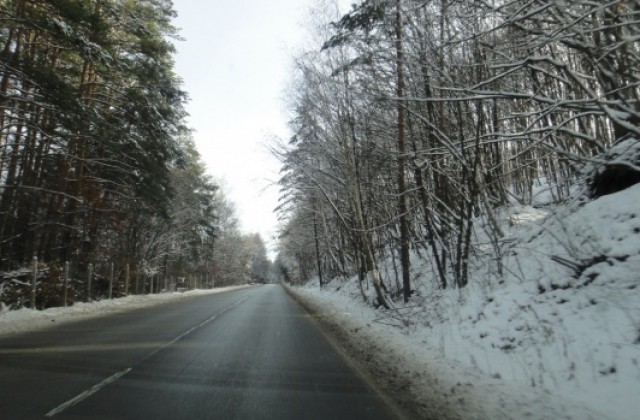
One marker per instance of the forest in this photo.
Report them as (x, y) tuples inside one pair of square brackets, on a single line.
[(97, 167), (415, 121)]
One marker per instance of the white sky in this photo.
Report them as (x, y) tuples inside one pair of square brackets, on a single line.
[(234, 62)]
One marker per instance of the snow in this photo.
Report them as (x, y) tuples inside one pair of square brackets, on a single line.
[(556, 336), (23, 320)]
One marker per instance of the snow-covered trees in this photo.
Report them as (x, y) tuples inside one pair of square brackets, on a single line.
[(89, 115), (96, 165), (412, 119)]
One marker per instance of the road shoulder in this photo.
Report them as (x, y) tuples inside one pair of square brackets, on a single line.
[(372, 360)]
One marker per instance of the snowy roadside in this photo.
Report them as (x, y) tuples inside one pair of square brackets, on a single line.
[(433, 386), (23, 320), (551, 329)]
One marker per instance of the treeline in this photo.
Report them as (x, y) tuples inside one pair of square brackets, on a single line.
[(96, 165), (413, 120)]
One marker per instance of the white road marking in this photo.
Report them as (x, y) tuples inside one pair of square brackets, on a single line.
[(86, 394), (97, 387), (192, 329)]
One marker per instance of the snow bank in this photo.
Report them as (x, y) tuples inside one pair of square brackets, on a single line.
[(557, 335), (22, 320)]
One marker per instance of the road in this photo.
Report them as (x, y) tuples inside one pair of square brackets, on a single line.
[(246, 354)]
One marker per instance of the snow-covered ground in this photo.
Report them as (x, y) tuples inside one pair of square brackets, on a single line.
[(22, 320), (557, 335)]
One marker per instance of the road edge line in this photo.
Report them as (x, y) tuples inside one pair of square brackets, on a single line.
[(402, 413)]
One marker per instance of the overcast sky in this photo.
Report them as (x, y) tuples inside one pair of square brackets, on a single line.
[(235, 61)]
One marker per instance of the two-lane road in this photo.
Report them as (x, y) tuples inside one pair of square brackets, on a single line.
[(247, 354)]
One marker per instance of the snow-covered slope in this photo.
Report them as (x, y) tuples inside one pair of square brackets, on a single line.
[(557, 335)]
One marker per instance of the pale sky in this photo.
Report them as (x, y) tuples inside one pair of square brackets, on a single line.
[(235, 62)]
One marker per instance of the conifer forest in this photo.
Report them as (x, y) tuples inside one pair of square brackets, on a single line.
[(96, 164)]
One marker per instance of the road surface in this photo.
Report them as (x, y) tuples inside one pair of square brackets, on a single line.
[(246, 354)]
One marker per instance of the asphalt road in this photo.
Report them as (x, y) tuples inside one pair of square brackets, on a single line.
[(247, 354)]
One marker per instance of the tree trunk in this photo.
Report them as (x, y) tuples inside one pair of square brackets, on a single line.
[(402, 198)]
